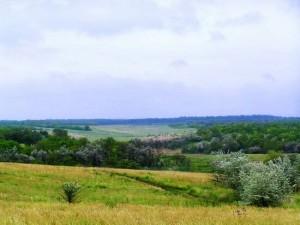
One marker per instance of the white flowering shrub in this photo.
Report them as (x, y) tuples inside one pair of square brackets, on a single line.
[(228, 167), (257, 183), (265, 184)]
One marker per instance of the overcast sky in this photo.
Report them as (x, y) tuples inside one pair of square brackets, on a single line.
[(148, 58)]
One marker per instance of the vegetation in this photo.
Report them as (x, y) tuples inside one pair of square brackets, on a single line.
[(208, 120), (40, 183), (252, 138), (264, 184), (31, 145), (71, 191), (257, 183), (201, 162), (28, 195), (228, 168), (58, 148)]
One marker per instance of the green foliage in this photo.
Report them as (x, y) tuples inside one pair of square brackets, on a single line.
[(22, 135), (249, 137), (30, 145), (8, 144), (71, 191), (60, 133), (228, 168), (55, 142), (257, 183), (265, 184), (59, 148)]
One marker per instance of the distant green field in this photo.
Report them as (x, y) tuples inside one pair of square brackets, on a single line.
[(202, 162), (127, 132)]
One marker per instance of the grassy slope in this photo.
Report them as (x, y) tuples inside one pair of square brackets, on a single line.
[(35, 183), (127, 132), (29, 195)]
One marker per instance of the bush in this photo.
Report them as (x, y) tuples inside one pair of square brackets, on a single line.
[(258, 183), (227, 168), (264, 184), (90, 155), (71, 191)]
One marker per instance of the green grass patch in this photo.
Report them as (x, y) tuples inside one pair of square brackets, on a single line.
[(208, 194), (36, 183), (201, 162), (127, 132)]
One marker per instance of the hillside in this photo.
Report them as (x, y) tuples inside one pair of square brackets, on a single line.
[(30, 194)]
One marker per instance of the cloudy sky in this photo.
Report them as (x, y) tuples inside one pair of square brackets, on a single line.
[(148, 58)]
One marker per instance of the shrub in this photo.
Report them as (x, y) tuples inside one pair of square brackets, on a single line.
[(227, 168), (91, 155), (265, 184), (71, 191), (258, 183)]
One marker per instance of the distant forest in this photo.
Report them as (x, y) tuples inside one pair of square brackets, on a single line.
[(37, 145), (79, 124)]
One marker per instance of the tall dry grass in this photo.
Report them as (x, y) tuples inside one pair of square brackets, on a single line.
[(180, 177), (92, 214)]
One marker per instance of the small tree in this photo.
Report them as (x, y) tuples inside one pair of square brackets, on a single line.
[(71, 191)]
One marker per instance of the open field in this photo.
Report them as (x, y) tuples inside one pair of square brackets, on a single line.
[(127, 132), (29, 194)]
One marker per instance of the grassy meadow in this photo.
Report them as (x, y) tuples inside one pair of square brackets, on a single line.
[(127, 132), (30, 194)]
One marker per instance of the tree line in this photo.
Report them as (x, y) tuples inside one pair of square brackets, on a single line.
[(249, 138), (29, 145), (194, 121)]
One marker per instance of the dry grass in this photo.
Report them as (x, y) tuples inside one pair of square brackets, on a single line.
[(88, 214), (40, 183), (86, 171), (35, 169), (180, 177)]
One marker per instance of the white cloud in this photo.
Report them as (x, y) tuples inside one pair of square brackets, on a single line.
[(216, 50)]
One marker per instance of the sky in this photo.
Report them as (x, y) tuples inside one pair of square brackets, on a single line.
[(148, 58)]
